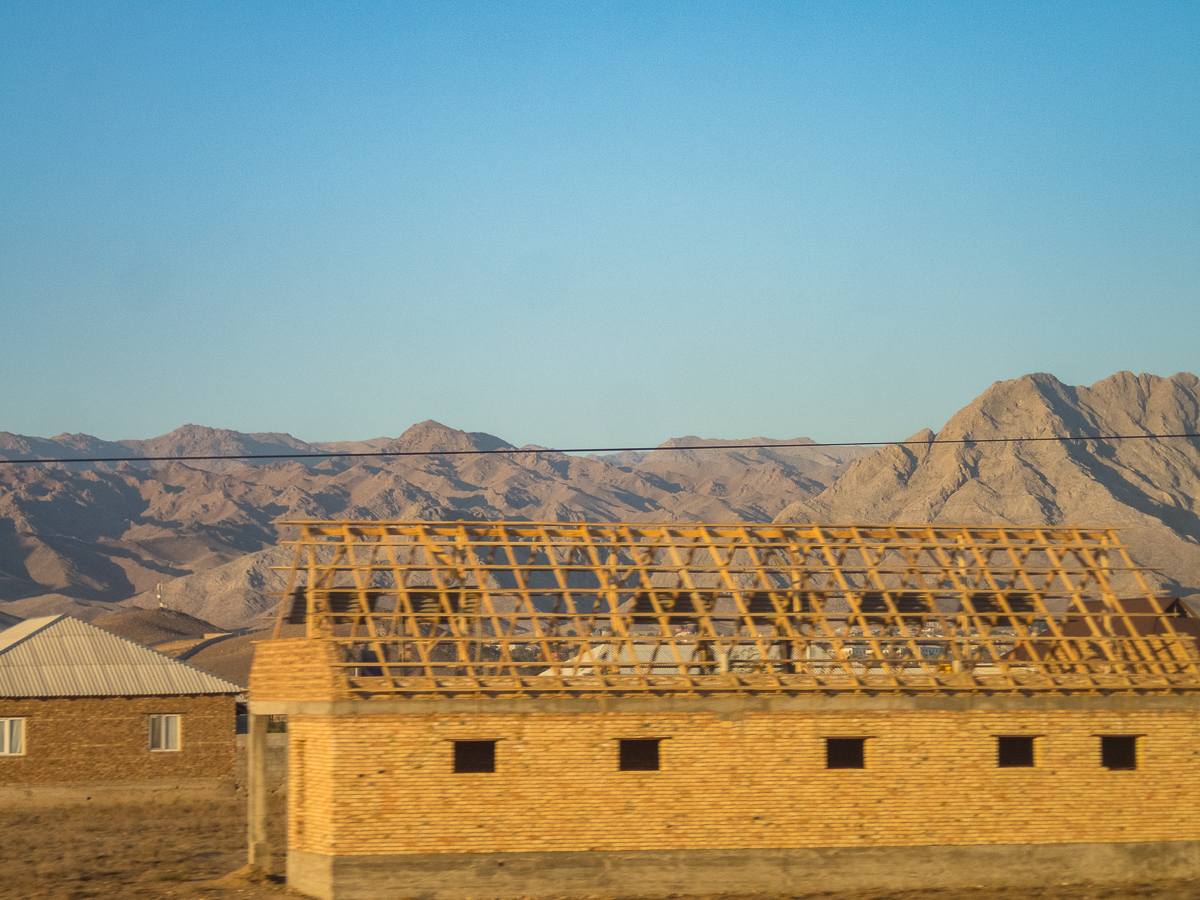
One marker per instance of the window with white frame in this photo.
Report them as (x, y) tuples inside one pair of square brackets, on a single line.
[(12, 737), (164, 732)]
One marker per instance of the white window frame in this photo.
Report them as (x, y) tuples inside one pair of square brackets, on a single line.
[(164, 732), (12, 737)]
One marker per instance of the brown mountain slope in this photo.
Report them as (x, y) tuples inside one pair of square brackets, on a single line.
[(1149, 487), (230, 657), (237, 594), (106, 533), (154, 625), (198, 440), (53, 604)]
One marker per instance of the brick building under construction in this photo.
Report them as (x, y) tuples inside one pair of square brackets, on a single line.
[(559, 709)]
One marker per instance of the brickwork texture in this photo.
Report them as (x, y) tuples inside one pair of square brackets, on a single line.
[(106, 739), (295, 669), (384, 784)]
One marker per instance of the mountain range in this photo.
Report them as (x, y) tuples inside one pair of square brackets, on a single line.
[(200, 536), (82, 537)]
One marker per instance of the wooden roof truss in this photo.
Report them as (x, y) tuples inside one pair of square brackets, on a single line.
[(512, 608)]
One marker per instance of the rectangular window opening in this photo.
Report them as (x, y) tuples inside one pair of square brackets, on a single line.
[(845, 753), (1118, 751), (639, 755), (12, 737), (1014, 752), (164, 732), (474, 756)]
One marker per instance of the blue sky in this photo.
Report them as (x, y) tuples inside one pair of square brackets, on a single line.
[(586, 224)]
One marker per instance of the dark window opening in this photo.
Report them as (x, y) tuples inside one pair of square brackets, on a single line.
[(845, 753), (1118, 751), (474, 756), (1014, 752), (639, 755)]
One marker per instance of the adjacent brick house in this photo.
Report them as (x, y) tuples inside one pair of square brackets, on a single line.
[(86, 713)]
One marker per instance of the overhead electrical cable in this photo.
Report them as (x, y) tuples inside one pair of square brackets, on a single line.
[(514, 451)]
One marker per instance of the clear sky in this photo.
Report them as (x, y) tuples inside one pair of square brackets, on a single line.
[(573, 223)]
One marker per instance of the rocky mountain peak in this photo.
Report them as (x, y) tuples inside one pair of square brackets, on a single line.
[(1149, 486), (431, 436)]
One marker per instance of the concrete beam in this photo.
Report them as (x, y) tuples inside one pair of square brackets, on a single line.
[(256, 793), (732, 705)]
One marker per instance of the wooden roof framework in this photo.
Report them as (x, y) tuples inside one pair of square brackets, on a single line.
[(515, 608)]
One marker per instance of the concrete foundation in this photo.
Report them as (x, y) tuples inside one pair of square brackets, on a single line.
[(454, 876)]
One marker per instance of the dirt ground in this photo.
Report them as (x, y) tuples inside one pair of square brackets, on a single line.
[(196, 851), (184, 849)]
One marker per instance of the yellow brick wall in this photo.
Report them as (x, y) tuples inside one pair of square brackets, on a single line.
[(107, 739), (294, 669), (383, 784)]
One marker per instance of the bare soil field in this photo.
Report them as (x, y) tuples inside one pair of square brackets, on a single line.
[(184, 849), (197, 851)]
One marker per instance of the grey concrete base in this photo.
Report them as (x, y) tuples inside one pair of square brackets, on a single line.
[(107, 793), (473, 876)]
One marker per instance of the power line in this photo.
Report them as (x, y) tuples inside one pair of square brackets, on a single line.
[(514, 451)]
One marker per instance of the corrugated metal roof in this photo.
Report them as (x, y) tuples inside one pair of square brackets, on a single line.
[(60, 656)]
